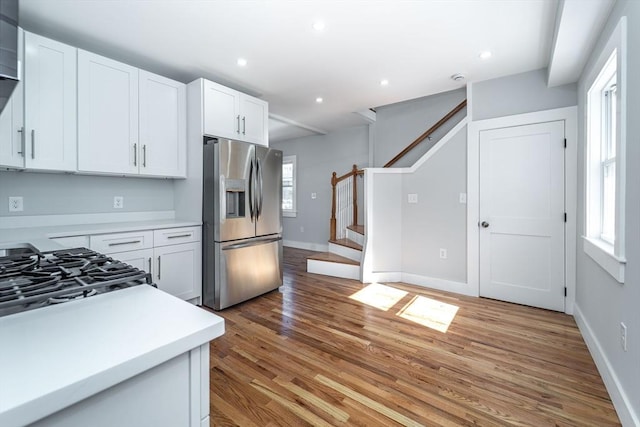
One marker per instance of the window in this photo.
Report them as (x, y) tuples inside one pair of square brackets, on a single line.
[(289, 186), (605, 160)]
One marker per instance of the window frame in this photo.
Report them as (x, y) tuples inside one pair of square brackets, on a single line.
[(293, 211), (610, 68)]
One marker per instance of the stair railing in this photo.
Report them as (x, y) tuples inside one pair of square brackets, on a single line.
[(344, 202), (427, 133)]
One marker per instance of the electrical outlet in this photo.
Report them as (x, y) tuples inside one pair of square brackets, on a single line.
[(16, 204), (623, 336), (463, 198), (314, 195), (118, 202), (443, 253), (412, 198)]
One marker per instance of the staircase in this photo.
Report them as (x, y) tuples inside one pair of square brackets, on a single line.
[(344, 256)]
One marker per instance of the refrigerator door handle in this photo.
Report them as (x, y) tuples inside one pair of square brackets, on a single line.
[(223, 199), (251, 190), (259, 179), (253, 242)]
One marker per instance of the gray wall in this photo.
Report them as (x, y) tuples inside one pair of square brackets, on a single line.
[(601, 299), (438, 220), (398, 125), (519, 93), (52, 194), (317, 157)]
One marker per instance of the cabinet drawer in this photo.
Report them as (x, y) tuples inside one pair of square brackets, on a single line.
[(111, 243), (175, 236)]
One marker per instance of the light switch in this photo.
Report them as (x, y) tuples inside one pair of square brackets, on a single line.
[(412, 198), (463, 198)]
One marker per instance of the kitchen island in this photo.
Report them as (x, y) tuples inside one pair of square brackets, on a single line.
[(133, 357)]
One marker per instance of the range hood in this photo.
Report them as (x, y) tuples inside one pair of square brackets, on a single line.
[(9, 73)]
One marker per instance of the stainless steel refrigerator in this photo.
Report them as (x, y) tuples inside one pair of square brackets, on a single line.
[(242, 221)]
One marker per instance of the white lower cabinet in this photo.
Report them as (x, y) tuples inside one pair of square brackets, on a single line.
[(173, 256), (169, 394), (178, 269)]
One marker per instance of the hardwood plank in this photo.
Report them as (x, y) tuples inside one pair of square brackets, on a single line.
[(357, 228), (331, 257), (347, 243), (310, 355)]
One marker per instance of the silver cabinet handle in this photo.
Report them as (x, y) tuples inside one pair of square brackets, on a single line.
[(238, 120), (244, 125), (159, 268), (179, 235), (135, 154), (22, 141), (125, 243), (33, 143), (149, 266), (144, 156)]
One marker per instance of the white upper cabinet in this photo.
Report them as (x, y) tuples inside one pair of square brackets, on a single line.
[(50, 104), (221, 111), (163, 130), (12, 141), (234, 115), (254, 120), (107, 115)]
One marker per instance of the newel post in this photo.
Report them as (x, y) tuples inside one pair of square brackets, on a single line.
[(354, 171), (332, 222)]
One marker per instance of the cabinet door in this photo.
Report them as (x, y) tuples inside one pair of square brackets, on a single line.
[(107, 115), (178, 269), (12, 121), (254, 118), (221, 111), (50, 104), (163, 130), (141, 259)]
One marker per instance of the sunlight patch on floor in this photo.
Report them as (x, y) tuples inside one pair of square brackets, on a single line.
[(379, 296), (429, 312)]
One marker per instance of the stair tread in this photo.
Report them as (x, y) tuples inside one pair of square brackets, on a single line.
[(357, 228), (347, 243), (330, 257)]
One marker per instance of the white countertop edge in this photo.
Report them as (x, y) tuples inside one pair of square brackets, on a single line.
[(39, 407)]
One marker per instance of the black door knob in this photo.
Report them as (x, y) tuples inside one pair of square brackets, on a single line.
[(484, 224)]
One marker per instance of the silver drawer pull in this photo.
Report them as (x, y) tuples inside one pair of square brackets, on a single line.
[(179, 235), (125, 243), (159, 268)]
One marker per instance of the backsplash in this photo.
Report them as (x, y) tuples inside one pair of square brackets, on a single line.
[(55, 194)]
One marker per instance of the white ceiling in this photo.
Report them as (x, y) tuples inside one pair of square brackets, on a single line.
[(416, 45)]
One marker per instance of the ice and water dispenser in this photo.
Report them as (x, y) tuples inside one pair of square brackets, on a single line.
[(235, 198)]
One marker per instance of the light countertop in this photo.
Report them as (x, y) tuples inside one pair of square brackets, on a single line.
[(40, 237), (56, 356)]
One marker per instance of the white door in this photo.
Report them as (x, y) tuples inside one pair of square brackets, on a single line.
[(221, 116), (107, 115), (163, 130), (142, 259), (522, 215), (254, 118), (50, 104), (178, 269)]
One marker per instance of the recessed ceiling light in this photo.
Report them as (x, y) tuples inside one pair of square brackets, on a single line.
[(384, 82), (242, 62), (457, 77), (319, 100), (318, 25), (485, 54)]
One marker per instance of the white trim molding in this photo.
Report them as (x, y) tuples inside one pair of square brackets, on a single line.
[(318, 247), (621, 401), (602, 254), (570, 117)]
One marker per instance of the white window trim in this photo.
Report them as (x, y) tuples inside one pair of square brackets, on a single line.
[(292, 212), (610, 257)]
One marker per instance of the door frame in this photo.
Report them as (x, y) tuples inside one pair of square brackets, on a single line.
[(570, 117)]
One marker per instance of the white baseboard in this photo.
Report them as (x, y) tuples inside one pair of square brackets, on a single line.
[(383, 276), (620, 400), (306, 245), (27, 221), (439, 284)]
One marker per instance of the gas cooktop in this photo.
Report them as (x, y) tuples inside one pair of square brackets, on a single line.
[(30, 281)]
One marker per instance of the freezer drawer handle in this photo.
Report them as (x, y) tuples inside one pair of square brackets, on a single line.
[(125, 243), (253, 243), (179, 235)]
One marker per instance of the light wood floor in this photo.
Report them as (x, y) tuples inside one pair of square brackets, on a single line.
[(310, 355)]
